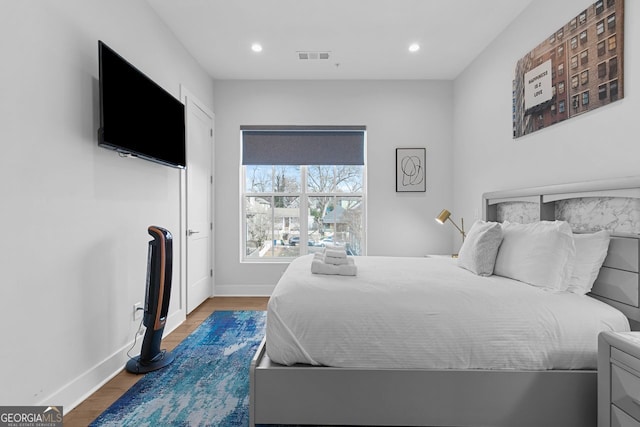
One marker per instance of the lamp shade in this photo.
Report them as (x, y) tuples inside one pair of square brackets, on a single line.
[(443, 216)]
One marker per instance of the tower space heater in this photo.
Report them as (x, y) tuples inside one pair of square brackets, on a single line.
[(156, 304)]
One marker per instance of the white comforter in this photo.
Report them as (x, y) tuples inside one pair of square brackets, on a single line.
[(428, 313)]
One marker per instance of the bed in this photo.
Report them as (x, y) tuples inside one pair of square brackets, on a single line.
[(421, 378)]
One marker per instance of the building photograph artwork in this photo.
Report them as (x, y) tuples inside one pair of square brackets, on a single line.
[(576, 69)]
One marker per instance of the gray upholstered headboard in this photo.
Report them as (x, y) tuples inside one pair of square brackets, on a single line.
[(612, 205)]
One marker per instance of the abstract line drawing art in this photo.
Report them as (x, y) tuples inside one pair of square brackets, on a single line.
[(410, 170)]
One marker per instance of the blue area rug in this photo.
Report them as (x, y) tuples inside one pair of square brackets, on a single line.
[(206, 385)]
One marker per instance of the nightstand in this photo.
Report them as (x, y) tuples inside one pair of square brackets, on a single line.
[(619, 379)]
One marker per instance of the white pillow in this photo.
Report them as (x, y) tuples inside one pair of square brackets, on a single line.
[(480, 248), (539, 253), (591, 250)]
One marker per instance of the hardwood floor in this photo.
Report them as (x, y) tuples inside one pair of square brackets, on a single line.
[(95, 404)]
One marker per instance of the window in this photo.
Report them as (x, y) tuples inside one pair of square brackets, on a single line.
[(602, 70), (560, 33), (599, 7), (575, 101), (574, 82), (584, 57), (583, 17), (561, 87), (560, 69), (553, 109), (302, 188), (601, 48), (600, 27), (552, 38), (574, 61), (611, 3), (613, 90), (574, 42), (611, 22), (585, 98), (613, 67), (573, 24), (561, 107), (612, 43), (560, 50), (584, 77), (602, 92), (583, 37)]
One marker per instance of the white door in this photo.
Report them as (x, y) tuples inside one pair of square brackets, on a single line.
[(199, 224)]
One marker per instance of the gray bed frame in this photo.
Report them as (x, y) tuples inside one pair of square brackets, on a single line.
[(303, 394)]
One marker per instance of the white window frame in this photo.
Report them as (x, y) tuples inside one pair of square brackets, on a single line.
[(304, 224)]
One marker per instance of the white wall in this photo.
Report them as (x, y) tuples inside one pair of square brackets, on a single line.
[(396, 114), (74, 216), (597, 145)]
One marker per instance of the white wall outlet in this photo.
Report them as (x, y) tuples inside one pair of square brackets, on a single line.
[(137, 311)]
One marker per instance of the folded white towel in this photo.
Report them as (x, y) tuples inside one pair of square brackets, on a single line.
[(330, 260), (335, 251), (318, 266)]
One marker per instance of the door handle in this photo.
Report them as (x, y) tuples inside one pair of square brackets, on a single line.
[(190, 232)]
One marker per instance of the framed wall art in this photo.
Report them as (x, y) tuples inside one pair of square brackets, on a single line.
[(410, 169), (577, 69)]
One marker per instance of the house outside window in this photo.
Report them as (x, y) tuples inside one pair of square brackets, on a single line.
[(293, 207)]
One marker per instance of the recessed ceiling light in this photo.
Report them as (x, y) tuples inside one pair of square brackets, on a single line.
[(256, 47), (414, 47)]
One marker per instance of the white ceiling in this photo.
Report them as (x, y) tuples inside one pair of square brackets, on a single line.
[(367, 39)]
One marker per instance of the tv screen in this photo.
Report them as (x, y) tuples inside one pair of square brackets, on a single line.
[(137, 116)]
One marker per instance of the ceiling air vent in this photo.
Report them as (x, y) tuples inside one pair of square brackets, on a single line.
[(312, 55)]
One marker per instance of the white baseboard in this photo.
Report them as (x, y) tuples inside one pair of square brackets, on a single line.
[(80, 388), (243, 290)]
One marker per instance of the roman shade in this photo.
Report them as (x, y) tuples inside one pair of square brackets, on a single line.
[(303, 145)]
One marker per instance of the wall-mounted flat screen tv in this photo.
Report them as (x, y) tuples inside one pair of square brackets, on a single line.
[(137, 116)]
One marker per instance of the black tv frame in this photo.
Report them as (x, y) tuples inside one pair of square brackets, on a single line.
[(138, 117)]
